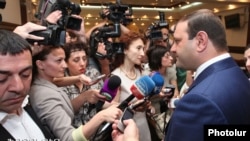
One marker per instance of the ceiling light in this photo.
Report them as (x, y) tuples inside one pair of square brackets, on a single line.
[(134, 8), (231, 6), (190, 5), (216, 10)]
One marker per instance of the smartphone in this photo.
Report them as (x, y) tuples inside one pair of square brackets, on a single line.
[(98, 78), (127, 114), (169, 91)]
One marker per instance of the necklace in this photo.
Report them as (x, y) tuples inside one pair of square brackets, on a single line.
[(127, 74)]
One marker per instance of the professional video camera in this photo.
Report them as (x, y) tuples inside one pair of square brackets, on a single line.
[(116, 13), (2, 6), (55, 34), (127, 19), (102, 35), (154, 30)]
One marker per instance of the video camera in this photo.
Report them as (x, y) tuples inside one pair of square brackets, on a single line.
[(2, 6), (117, 13), (55, 34), (102, 35), (154, 30)]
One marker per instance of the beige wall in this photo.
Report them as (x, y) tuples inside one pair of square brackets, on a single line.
[(237, 37), (11, 13)]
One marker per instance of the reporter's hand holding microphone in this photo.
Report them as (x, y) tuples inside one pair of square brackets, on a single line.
[(140, 89), (93, 96), (125, 129)]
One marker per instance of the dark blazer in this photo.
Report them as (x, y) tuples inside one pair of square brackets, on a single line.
[(219, 95), (5, 135)]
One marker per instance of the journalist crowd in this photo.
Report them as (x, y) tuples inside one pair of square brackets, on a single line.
[(59, 81)]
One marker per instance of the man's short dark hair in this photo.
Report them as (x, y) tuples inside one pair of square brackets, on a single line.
[(12, 43), (205, 20)]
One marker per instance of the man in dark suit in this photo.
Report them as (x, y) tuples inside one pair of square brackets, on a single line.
[(18, 121), (247, 59), (220, 92)]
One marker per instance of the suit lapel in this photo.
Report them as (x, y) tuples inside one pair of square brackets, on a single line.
[(5, 135), (221, 65), (44, 128)]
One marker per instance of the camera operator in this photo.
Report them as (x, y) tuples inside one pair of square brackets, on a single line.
[(101, 38), (158, 32)]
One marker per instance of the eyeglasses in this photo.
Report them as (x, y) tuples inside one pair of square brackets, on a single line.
[(169, 40), (167, 55)]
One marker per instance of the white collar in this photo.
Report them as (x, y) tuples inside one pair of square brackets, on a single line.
[(209, 62), (4, 114)]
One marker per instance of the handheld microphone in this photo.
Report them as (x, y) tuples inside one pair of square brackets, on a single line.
[(158, 80), (109, 90), (140, 89)]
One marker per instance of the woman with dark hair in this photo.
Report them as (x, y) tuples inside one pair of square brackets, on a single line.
[(76, 58), (160, 60), (128, 67), (52, 103)]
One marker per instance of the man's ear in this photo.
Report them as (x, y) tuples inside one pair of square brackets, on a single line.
[(202, 41)]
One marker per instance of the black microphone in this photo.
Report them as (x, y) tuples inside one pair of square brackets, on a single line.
[(140, 89), (109, 90)]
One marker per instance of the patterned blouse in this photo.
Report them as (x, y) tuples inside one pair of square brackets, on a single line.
[(88, 110)]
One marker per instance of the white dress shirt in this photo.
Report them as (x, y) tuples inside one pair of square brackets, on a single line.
[(21, 127)]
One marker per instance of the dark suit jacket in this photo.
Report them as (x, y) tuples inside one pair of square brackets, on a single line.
[(219, 95), (5, 135)]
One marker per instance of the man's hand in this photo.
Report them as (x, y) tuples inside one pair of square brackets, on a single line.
[(131, 132), (53, 17), (24, 30)]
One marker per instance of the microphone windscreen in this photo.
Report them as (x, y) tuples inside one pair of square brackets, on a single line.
[(158, 80), (110, 87), (142, 87), (114, 82)]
